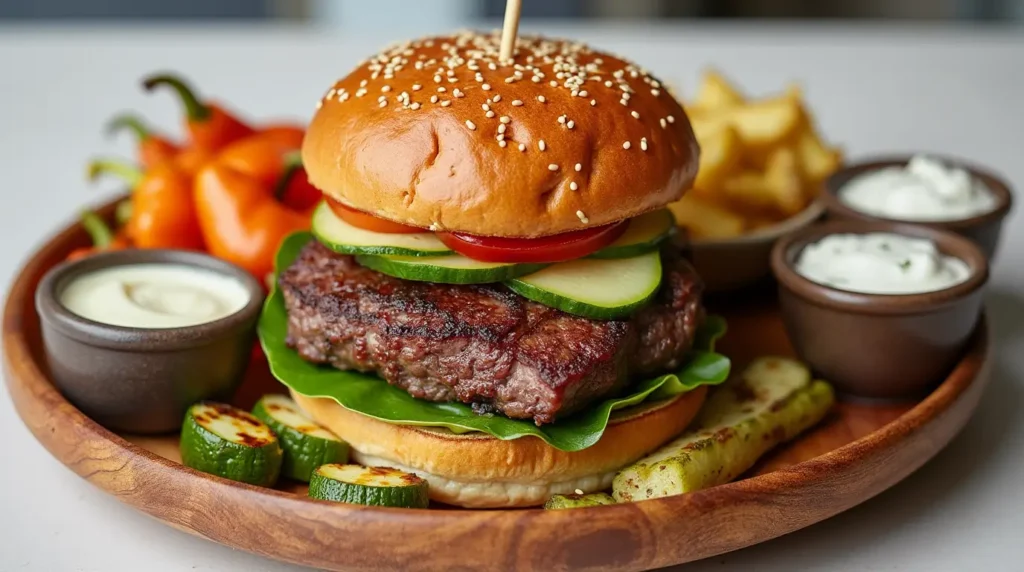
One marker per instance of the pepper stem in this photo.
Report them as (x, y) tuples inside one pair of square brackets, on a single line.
[(292, 163), (123, 212), (98, 230), (127, 172), (130, 122), (194, 109)]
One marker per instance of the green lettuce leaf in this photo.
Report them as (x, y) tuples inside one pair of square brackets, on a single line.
[(369, 395)]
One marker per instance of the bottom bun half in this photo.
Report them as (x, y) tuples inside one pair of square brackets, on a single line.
[(479, 471)]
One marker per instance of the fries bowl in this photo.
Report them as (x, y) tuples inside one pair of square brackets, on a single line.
[(762, 166)]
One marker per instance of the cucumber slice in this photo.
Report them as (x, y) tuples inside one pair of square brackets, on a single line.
[(592, 288), (230, 443), (306, 445), (645, 233), (342, 237), (451, 269), (578, 500), (373, 486)]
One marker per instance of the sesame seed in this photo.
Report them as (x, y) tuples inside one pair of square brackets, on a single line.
[(504, 119), (608, 83), (319, 103), (643, 144), (471, 125), (593, 102), (635, 114), (664, 123), (383, 103), (361, 92), (542, 145), (522, 147), (363, 83), (573, 186), (624, 101), (386, 88), (437, 79), (578, 167), (626, 145), (486, 87), (671, 119), (561, 119), (583, 93), (583, 218), (489, 114), (433, 99), (517, 103), (416, 87), (485, 107), (570, 124), (445, 103), (496, 98), (441, 89), (655, 92), (552, 167), (502, 143), (541, 98), (458, 93), (415, 106), (381, 98), (553, 83), (509, 79), (501, 128)]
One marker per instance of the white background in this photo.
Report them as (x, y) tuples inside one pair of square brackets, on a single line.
[(874, 89)]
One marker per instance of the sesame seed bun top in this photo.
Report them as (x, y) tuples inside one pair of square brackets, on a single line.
[(441, 134)]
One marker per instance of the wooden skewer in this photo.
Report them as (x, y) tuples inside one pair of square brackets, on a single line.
[(511, 27)]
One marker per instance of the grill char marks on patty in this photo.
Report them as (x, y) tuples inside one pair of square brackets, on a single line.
[(483, 344)]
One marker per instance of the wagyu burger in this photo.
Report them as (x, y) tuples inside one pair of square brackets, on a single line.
[(493, 284)]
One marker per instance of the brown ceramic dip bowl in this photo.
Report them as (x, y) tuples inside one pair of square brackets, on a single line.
[(141, 380), (983, 229), (878, 345)]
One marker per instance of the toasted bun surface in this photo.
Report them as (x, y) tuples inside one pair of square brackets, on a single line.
[(480, 471), (438, 133)]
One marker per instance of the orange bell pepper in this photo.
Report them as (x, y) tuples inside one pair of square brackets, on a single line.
[(238, 198), (103, 238), (163, 213), (209, 125), (153, 149)]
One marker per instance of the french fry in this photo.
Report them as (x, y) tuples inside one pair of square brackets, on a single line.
[(720, 156), (716, 92), (762, 124), (817, 160), (778, 188), (706, 220), (784, 181)]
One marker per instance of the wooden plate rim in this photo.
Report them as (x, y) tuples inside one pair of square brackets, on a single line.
[(26, 380)]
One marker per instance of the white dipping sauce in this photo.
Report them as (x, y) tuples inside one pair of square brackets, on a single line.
[(924, 190), (880, 263), (154, 296)]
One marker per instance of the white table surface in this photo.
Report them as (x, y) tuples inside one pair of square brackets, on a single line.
[(874, 89)]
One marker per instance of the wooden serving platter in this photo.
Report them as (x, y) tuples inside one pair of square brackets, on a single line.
[(858, 451)]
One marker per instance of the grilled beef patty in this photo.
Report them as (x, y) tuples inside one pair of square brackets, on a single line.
[(482, 344)]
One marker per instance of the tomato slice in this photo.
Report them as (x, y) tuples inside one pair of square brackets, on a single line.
[(547, 249), (369, 222)]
